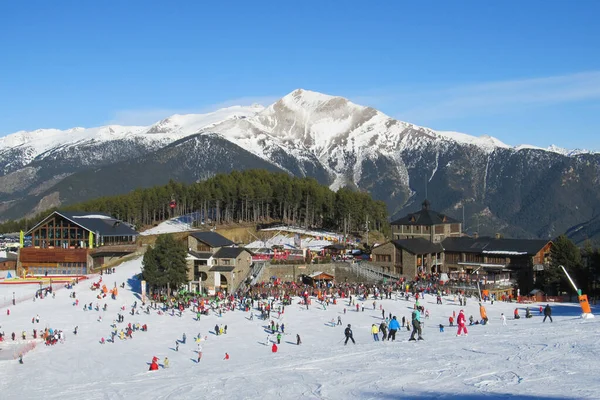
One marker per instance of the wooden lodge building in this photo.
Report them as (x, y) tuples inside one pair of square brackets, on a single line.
[(73, 243), (428, 242), (215, 263)]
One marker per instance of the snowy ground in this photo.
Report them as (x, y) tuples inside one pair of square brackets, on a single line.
[(527, 359), (182, 223)]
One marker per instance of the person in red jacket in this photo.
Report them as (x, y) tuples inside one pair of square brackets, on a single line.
[(154, 364), (461, 323), (274, 348)]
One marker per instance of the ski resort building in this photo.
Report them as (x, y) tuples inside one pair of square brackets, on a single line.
[(426, 224), (75, 243), (428, 242), (215, 263)]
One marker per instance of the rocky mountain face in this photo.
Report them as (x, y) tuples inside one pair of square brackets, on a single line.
[(519, 192)]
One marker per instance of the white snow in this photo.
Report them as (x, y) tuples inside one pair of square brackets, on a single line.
[(92, 216), (288, 240), (526, 359), (166, 131), (183, 223)]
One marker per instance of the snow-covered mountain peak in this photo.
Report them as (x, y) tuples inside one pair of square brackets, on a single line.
[(189, 124)]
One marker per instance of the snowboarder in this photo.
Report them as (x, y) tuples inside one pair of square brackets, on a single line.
[(348, 334), (547, 313)]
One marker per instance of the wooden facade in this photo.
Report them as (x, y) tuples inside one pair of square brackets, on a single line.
[(35, 261), (73, 244), (58, 232)]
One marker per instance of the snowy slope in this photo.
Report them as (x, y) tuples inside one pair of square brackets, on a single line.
[(526, 359), (38, 142)]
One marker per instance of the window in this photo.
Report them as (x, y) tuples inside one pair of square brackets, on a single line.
[(226, 261), (383, 258), (473, 257), (452, 257)]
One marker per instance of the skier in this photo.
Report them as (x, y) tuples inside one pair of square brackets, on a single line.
[(20, 358), (516, 314), (393, 326), (177, 345), (274, 348), (166, 363), (226, 356), (279, 338), (298, 341), (416, 321), (199, 353), (183, 338), (375, 332), (348, 334), (383, 330), (461, 323), (339, 321), (503, 318), (547, 313)]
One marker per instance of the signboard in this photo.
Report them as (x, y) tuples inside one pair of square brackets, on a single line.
[(538, 267)]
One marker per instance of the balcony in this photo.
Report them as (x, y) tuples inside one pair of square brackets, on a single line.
[(117, 249)]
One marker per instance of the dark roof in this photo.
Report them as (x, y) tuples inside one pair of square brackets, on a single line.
[(222, 268), (213, 239), (425, 217), (229, 252), (335, 246), (201, 254), (95, 222), (7, 259), (418, 246), (489, 245)]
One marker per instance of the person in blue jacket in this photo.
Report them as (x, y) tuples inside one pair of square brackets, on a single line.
[(394, 325)]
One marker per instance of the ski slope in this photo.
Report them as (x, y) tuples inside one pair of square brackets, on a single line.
[(526, 359)]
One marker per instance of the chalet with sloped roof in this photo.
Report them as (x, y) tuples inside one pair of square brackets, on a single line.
[(75, 243)]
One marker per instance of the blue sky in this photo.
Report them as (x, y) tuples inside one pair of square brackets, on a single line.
[(522, 71)]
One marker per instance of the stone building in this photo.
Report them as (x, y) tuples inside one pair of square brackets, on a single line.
[(428, 242), (215, 263)]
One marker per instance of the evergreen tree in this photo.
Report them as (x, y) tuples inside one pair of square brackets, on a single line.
[(564, 252), (165, 264)]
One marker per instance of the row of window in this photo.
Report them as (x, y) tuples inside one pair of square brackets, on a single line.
[(61, 269)]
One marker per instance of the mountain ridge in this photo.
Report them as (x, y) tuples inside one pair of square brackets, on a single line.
[(339, 143)]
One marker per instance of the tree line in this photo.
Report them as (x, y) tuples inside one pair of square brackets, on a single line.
[(583, 264), (256, 196)]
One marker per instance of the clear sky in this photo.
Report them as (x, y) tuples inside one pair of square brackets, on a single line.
[(522, 71)]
